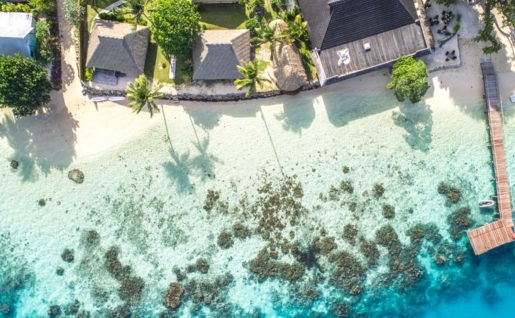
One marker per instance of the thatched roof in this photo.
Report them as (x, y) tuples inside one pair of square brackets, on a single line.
[(117, 46), (218, 52), (288, 69)]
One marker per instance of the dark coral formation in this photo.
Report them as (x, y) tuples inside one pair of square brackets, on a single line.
[(211, 200), (240, 231), (403, 263), (68, 255), (173, 296), (202, 265), (131, 287), (211, 294), (350, 233), (225, 240), (388, 211), (421, 232), (348, 272), (452, 193), (54, 311), (346, 186), (325, 245), (459, 221), (264, 266), (378, 190), (370, 252)]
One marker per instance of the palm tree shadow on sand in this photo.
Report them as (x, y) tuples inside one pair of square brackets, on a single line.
[(417, 120)]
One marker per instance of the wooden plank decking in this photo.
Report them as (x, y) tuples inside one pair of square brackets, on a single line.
[(492, 235)]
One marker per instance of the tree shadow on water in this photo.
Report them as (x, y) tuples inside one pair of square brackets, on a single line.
[(298, 113), (178, 169), (342, 110), (417, 120), (204, 161)]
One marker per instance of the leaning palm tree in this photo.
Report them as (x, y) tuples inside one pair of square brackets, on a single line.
[(297, 32), (142, 94), (251, 76)]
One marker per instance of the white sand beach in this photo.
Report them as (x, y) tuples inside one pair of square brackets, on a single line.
[(73, 128)]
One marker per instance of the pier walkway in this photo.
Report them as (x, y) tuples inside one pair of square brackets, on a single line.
[(494, 234)]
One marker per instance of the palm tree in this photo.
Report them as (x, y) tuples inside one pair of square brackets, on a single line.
[(297, 32), (266, 34), (251, 76), (137, 9), (142, 94)]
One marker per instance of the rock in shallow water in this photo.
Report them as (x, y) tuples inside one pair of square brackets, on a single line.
[(76, 175), (15, 164)]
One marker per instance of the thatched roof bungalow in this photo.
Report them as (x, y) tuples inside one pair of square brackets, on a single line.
[(116, 46), (289, 72), (217, 53)]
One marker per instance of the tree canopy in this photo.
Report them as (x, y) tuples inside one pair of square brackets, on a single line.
[(175, 24), (24, 84), (142, 94), (252, 78), (409, 79), (74, 12)]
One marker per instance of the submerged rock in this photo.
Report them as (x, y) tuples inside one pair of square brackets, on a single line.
[(76, 176), (68, 255), (59, 271), (173, 295), (41, 202), (15, 164), (54, 311), (202, 265)]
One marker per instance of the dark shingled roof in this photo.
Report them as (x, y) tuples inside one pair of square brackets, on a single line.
[(336, 22)]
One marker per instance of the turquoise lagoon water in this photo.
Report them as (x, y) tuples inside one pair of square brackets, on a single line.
[(292, 176)]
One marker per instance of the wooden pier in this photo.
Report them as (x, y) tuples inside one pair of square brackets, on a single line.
[(492, 235)]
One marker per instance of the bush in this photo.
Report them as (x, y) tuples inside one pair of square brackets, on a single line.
[(175, 24), (88, 74), (45, 42), (24, 84), (409, 79)]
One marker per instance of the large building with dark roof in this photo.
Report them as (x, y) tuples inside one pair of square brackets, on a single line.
[(351, 37)]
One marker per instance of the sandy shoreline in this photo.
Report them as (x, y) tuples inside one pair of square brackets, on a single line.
[(74, 129)]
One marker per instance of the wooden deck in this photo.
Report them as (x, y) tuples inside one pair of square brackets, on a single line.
[(492, 235), (385, 47)]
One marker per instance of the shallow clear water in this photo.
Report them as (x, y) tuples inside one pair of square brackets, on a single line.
[(283, 171)]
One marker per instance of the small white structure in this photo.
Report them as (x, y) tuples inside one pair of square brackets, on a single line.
[(17, 33), (512, 98)]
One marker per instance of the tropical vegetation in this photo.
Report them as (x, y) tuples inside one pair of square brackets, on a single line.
[(174, 26), (74, 12), (142, 95), (409, 79), (24, 84), (252, 78)]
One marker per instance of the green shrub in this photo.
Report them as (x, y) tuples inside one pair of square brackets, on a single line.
[(88, 74), (45, 42)]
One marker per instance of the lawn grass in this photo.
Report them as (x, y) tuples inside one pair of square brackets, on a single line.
[(222, 16), (154, 66)]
